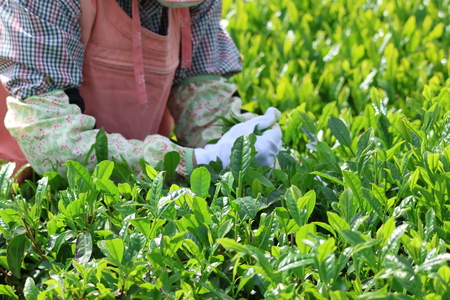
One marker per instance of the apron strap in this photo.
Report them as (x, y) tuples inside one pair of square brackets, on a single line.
[(137, 55), (186, 39)]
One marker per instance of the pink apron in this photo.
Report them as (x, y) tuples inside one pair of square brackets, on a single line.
[(9, 149), (127, 72)]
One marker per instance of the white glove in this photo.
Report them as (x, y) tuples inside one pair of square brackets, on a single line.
[(268, 144)]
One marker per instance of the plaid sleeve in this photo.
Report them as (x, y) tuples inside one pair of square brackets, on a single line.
[(213, 50), (40, 46)]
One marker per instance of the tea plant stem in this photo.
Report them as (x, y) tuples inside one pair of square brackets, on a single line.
[(239, 188), (33, 240), (163, 293)]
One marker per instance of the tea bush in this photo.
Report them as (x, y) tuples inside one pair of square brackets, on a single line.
[(361, 212)]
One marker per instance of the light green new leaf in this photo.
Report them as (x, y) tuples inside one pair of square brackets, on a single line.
[(200, 182), (200, 209), (142, 224), (30, 291), (304, 233), (232, 245), (306, 205), (294, 260), (8, 291), (354, 183), (108, 188), (337, 222), (104, 170), (283, 217), (112, 248), (393, 242)]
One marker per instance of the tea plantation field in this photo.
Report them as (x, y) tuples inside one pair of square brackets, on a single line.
[(358, 208)]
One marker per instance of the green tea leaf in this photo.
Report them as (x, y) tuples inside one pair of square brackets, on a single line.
[(104, 170), (8, 291), (83, 249), (305, 232), (224, 228), (337, 222), (30, 291), (108, 188), (101, 145), (15, 253), (200, 182), (294, 260), (252, 175), (340, 131), (292, 196), (78, 176), (112, 248), (355, 184), (240, 157), (247, 207), (171, 161)]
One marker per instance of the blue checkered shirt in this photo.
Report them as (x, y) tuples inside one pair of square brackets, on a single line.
[(40, 48)]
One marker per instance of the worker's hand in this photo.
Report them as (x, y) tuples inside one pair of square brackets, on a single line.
[(267, 144)]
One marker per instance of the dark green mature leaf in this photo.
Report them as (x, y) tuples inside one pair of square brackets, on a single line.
[(83, 249), (374, 202), (200, 182), (171, 161), (364, 142), (247, 207), (78, 176), (240, 157), (101, 145), (252, 175), (15, 253), (292, 196), (224, 228), (340, 131)]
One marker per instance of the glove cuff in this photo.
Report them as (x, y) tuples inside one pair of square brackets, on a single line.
[(202, 156)]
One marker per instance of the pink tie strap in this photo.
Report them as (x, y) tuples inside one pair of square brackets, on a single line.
[(137, 55), (186, 41)]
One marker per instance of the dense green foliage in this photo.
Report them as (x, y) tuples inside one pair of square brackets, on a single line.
[(362, 212)]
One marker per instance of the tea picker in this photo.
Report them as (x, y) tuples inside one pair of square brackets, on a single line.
[(134, 68)]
